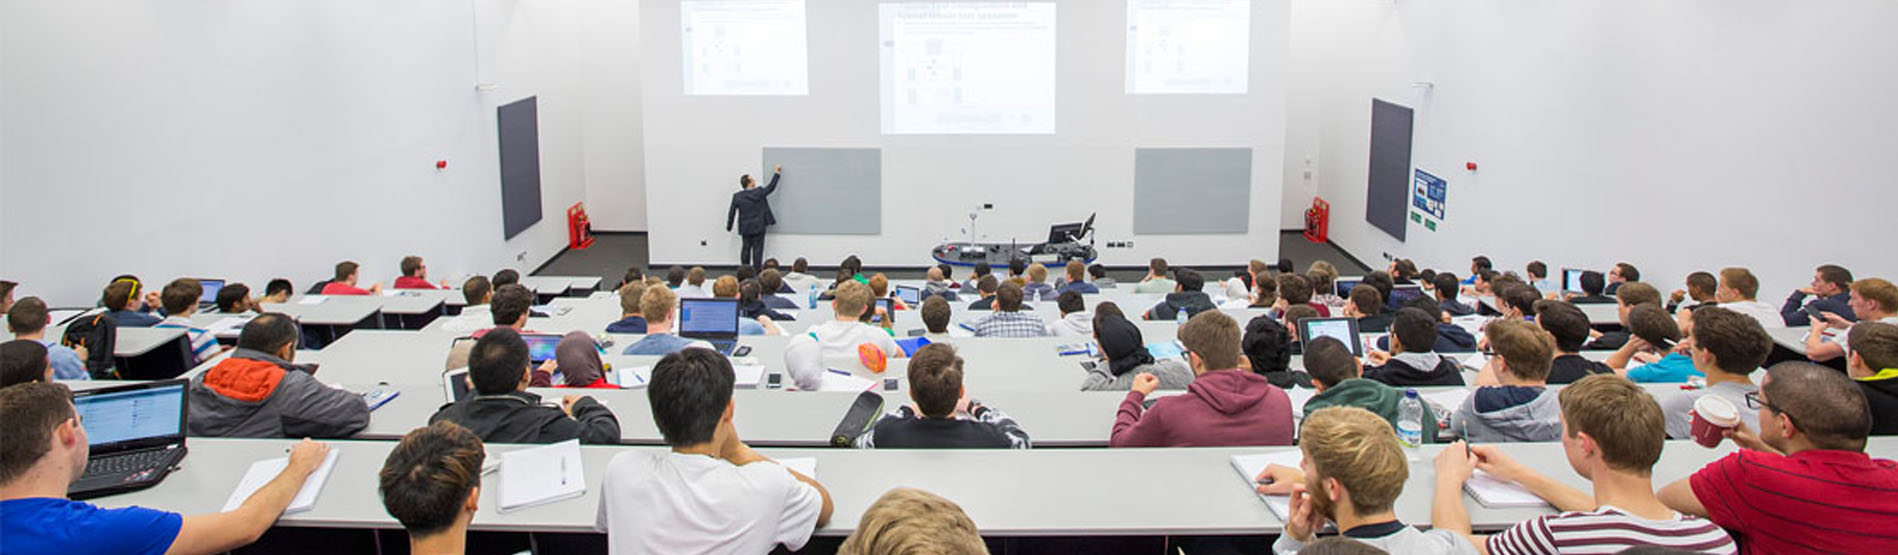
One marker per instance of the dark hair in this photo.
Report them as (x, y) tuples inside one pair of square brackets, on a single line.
[(511, 302), (268, 333), (770, 282), (27, 315), (33, 410), (744, 180), (1703, 283), (1836, 275), (1382, 281), (1008, 297), (1628, 271), (1405, 269), (1366, 299), (981, 269), (1426, 305), (1340, 545), (1415, 329), (476, 289), (689, 392), (345, 269), (1825, 405), (1329, 361), (745, 273), (800, 265), (1737, 342), (1106, 308), (410, 264), (1519, 296), (497, 361), (935, 379), (675, 276), (429, 475), (770, 263), (1295, 289), (1446, 284), (279, 285), (1634, 293), (1188, 280), (118, 295), (1592, 283), (1565, 322), (1482, 263), (1070, 302), (21, 361), (1427, 276), (1157, 266), (1538, 270), (1267, 345), (854, 264), (1097, 271), (180, 295), (748, 291), (633, 273), (948, 272), (936, 313), (1243, 277), (987, 285), (1017, 266), (1653, 325), (230, 295), (506, 276)]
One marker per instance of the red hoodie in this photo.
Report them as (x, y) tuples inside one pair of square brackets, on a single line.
[(1220, 408)]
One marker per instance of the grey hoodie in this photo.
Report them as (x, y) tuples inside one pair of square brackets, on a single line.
[(1539, 419), (256, 395)]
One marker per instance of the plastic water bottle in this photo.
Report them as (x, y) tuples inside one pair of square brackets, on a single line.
[(1180, 316), (1410, 419), (813, 297)]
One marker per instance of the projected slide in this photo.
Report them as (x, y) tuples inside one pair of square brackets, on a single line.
[(968, 68), (1188, 46), (744, 47)]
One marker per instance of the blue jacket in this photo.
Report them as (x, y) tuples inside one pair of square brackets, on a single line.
[(1081, 287), (1794, 315), (1451, 338)]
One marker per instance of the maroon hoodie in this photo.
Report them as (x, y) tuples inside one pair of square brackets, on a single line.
[(1220, 408)]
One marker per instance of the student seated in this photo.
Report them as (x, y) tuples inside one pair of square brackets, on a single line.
[(1700, 290), (22, 361), (1037, 287), (431, 483), (1226, 405), (43, 449), (1451, 338), (234, 298), (1099, 274), (344, 283), (1338, 377), (841, 336), (122, 302), (1008, 319), (505, 277), (1631, 294), (1351, 474), (1077, 279), (6, 294), (415, 275), (1124, 356), (1727, 348), (1322, 281), (770, 285), (1384, 284), (1537, 274), (711, 492), (1268, 347), (259, 393), (1736, 291), (1650, 355), (180, 298), (1592, 288), (577, 358), (1511, 401), (631, 321), (1802, 482), (1186, 296), (1874, 365), (502, 411), (1294, 291), (1292, 316), (942, 415), (985, 288), (660, 307), (1621, 274), (1610, 432), (1569, 327), (976, 273), (1516, 301), (752, 308), (1075, 320), (937, 284), (1446, 290), (726, 287), (278, 291), (675, 277), (1873, 300), (1405, 367), (1367, 306), (1156, 281), (1831, 291), (935, 313), (909, 520), (1264, 294), (800, 271), (695, 286), (478, 292), (27, 320)]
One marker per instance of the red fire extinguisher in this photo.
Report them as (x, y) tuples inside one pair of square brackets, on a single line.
[(1317, 219), (579, 230)]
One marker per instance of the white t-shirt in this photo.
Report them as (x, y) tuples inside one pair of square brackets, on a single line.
[(1767, 315), (840, 339), (476, 317), (665, 502)]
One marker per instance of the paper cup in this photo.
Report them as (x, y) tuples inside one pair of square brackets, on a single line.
[(1712, 417)]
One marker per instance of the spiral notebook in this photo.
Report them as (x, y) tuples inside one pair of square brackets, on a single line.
[(541, 475), (1499, 493), (262, 472), (1249, 467)]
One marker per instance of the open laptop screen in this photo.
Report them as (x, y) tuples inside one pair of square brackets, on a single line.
[(153, 411), (1572, 279), (211, 287), (1402, 295), (708, 317)]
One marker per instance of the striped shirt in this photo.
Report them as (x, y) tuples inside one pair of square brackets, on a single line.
[(1608, 529), (203, 343), (1813, 501), (1009, 324)]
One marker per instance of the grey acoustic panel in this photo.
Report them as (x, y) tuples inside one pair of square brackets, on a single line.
[(1192, 190), (519, 135), (826, 191), (1387, 191)]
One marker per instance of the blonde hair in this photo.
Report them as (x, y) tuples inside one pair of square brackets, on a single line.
[(1037, 273), (1358, 449), (1740, 280), (851, 298), (1077, 272), (629, 296), (1624, 419), (1526, 348), (725, 287), (656, 304), (910, 521), (1879, 292)]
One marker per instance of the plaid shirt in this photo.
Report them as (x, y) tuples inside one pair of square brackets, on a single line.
[(1009, 324)]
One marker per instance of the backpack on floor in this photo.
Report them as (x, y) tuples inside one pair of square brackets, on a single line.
[(99, 334)]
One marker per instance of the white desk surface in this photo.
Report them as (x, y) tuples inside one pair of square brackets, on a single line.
[(137, 341), (334, 310), (1793, 339), (559, 285)]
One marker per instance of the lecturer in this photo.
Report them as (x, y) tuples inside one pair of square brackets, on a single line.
[(753, 213)]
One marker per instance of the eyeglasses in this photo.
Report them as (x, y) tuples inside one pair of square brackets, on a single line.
[(1754, 401)]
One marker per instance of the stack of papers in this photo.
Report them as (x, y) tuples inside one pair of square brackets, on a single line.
[(1496, 492), (632, 378), (1249, 467), (541, 475), (262, 472)]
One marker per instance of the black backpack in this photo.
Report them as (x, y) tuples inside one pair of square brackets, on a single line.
[(99, 334)]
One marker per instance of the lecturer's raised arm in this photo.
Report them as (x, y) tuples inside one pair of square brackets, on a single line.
[(776, 171)]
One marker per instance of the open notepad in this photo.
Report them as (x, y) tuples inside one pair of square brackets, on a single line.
[(1496, 492), (1249, 467), (540, 475), (262, 472)]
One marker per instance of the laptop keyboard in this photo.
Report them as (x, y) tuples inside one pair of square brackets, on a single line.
[(128, 462)]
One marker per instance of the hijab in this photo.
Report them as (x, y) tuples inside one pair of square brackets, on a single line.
[(1120, 341), (578, 358)]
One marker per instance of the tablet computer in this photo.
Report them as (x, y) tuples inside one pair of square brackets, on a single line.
[(1341, 329), (455, 385)]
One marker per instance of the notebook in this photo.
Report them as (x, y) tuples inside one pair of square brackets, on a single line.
[(1249, 467), (838, 380), (262, 472), (1496, 492), (631, 378), (541, 475)]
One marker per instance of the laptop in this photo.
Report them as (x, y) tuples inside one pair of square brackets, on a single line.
[(1572, 280), (911, 296), (136, 434), (455, 385), (714, 321), (1342, 329), (1344, 285), (541, 346), (211, 287), (1402, 295)]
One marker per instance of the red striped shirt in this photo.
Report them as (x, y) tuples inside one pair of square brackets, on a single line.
[(1817, 501)]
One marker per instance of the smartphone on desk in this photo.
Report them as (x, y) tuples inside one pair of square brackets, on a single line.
[(742, 351), (774, 381)]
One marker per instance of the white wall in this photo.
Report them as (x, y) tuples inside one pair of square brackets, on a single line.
[(615, 147), (1677, 135), (697, 146), (253, 139)]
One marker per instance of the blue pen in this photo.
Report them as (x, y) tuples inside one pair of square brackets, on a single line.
[(837, 372), (563, 471)]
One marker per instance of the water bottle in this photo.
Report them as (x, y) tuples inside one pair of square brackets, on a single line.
[(813, 297), (1410, 414), (1180, 316)]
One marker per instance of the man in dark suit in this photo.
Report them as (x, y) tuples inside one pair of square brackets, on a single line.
[(753, 213)]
